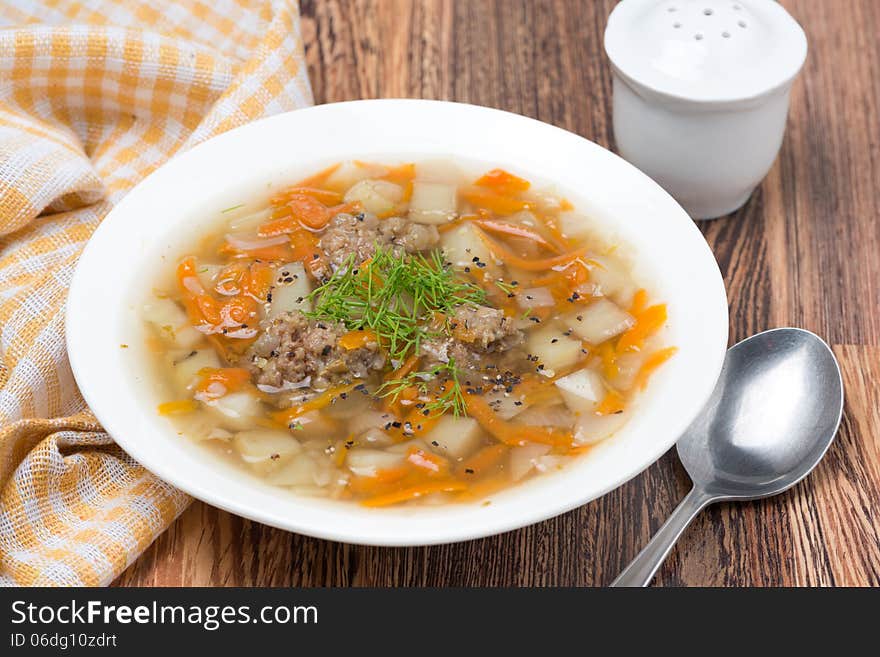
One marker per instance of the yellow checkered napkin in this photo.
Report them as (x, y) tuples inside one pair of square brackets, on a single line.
[(93, 96)]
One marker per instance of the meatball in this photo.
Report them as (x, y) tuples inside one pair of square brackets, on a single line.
[(293, 348), (476, 331), (360, 234)]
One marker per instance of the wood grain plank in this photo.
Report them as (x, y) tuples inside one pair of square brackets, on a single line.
[(804, 251)]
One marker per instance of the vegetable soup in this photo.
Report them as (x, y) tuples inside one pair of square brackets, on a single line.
[(404, 333)]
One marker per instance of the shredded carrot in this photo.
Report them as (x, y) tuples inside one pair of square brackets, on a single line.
[(503, 182), (640, 300), (608, 356), (428, 461), (541, 264), (651, 364), (218, 381), (514, 230), (177, 407), (309, 211), (612, 403), (405, 368), (551, 227), (325, 196), (647, 322), (509, 433), (357, 339), (414, 492), (401, 174), (485, 459), (318, 179), (272, 252), (323, 400)]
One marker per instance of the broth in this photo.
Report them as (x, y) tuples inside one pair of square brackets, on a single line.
[(406, 333)]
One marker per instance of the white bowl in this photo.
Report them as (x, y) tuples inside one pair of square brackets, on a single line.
[(144, 231)]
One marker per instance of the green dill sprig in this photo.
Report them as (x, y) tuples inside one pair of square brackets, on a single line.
[(508, 288), (446, 378), (394, 295)]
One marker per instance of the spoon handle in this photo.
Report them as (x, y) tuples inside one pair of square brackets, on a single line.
[(642, 569)]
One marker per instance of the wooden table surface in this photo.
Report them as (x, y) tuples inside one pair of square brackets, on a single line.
[(805, 251)]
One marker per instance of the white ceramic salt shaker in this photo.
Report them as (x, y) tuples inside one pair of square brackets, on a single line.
[(701, 91)]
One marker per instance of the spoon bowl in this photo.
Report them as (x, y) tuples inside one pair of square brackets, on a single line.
[(770, 419)]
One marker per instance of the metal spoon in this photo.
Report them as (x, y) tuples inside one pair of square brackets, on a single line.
[(769, 421)]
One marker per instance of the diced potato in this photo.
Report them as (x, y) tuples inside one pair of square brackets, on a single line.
[(433, 203), (438, 171), (524, 458), (574, 225), (612, 279), (455, 436), (628, 366), (591, 428), (375, 438), (265, 449), (555, 351), (547, 199), (171, 323), (366, 462), (552, 413), (287, 296), (351, 407), (581, 390), (350, 173), (313, 424), (462, 244), (297, 471), (534, 297), (237, 410), (600, 321), (550, 462), (200, 426), (377, 196), (370, 419), (186, 367), (507, 404), (406, 446)]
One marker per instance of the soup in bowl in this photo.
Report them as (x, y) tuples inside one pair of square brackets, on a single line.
[(399, 333), (357, 344)]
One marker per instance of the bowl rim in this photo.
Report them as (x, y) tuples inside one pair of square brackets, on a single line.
[(400, 526)]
